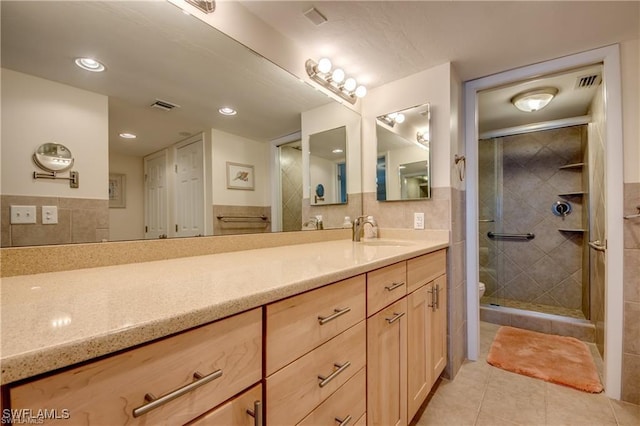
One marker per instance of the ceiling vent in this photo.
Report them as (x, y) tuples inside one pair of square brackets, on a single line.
[(586, 81), (315, 16), (164, 105)]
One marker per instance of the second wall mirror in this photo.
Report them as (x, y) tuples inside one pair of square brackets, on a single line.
[(403, 167), (328, 167)]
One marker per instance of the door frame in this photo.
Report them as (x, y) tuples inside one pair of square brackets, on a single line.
[(145, 210), (610, 57), (199, 139)]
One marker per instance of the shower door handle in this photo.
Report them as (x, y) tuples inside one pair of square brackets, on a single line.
[(597, 245)]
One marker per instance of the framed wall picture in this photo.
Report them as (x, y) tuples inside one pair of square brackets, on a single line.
[(117, 191), (240, 176)]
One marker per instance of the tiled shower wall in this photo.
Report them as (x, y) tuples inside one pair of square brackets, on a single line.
[(79, 221), (291, 184), (546, 270), (631, 333)]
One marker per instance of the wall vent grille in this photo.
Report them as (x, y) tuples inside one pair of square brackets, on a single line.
[(587, 81)]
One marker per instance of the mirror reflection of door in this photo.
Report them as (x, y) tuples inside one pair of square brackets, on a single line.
[(156, 210), (190, 188), (327, 166), (290, 155)]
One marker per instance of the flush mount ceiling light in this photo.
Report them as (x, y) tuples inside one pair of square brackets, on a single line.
[(90, 64), (227, 111), (534, 100), (337, 151), (335, 81), (127, 135)]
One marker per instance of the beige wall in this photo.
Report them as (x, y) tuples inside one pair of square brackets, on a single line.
[(37, 111), (128, 223)]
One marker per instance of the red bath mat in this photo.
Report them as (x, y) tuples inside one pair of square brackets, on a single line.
[(557, 359)]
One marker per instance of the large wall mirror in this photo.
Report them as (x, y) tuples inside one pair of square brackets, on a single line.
[(403, 168), (150, 120)]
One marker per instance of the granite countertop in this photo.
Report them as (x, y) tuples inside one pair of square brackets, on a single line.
[(53, 320)]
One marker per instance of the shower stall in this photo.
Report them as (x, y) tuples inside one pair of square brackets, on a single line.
[(534, 223)]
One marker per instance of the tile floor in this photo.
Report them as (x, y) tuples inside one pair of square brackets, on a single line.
[(482, 395)]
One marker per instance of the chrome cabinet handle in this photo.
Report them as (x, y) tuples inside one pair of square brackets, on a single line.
[(343, 422), (395, 317), (324, 381), (336, 313), (256, 413), (154, 402), (437, 302), (393, 286)]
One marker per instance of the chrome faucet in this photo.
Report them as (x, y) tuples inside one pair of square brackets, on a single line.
[(358, 226)]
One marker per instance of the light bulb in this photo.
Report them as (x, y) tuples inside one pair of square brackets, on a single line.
[(350, 84), (392, 115), (399, 118), (338, 75), (90, 64), (324, 65)]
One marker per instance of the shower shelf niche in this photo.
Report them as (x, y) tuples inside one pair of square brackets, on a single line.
[(572, 166)]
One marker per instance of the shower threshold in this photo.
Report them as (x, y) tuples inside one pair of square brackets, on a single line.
[(536, 307)]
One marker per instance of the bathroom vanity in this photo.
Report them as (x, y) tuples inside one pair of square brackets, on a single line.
[(309, 334)]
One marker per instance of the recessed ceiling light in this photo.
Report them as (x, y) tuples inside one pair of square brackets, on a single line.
[(90, 64), (227, 111), (337, 151), (127, 135)]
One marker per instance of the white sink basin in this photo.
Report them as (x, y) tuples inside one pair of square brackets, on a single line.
[(387, 243)]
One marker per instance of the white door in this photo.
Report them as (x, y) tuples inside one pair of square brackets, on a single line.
[(190, 189), (155, 196)]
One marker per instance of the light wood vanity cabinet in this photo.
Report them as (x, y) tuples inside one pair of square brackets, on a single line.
[(406, 341), (240, 411), (205, 366), (315, 346)]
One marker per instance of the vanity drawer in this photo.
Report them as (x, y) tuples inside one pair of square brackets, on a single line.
[(348, 402), (109, 390), (425, 268), (301, 323), (385, 286), (294, 391), (234, 412)]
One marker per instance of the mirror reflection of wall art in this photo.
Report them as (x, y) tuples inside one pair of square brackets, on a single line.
[(117, 182), (240, 176)]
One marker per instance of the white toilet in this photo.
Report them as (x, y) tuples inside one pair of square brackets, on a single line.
[(481, 289)]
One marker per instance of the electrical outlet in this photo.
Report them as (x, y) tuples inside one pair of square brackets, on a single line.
[(418, 221), (49, 215), (23, 214)]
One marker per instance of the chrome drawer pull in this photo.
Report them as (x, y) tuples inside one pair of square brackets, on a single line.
[(324, 381), (437, 303), (153, 402), (336, 313), (256, 413), (393, 286), (434, 303), (395, 317), (344, 422)]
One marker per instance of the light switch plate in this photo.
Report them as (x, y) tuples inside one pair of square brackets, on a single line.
[(418, 221), (49, 215), (23, 214)]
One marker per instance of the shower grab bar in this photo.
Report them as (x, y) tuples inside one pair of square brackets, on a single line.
[(528, 236), (633, 216), (597, 245), (486, 220)]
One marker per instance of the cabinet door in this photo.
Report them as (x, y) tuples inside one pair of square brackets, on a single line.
[(439, 328), (419, 313), (240, 411), (387, 366)]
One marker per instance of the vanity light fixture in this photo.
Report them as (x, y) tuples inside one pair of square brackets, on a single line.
[(337, 81), (534, 100), (227, 111), (422, 137), (392, 119), (127, 136), (90, 64)]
